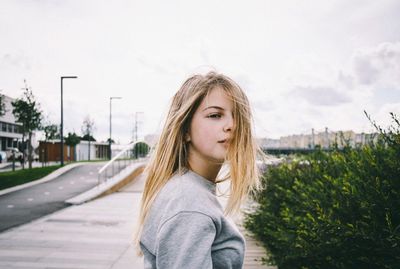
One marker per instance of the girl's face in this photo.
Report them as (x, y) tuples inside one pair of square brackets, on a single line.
[(211, 127)]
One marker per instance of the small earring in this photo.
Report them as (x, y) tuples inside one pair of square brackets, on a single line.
[(187, 138)]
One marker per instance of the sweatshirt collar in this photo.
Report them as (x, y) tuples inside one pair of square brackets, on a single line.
[(211, 186)]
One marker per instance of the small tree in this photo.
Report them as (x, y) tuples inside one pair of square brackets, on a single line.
[(87, 137), (50, 132), (112, 141), (87, 131), (72, 140), (27, 111), (141, 149)]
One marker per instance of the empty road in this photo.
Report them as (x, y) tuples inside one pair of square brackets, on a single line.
[(28, 204)]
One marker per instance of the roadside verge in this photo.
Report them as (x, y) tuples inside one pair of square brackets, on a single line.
[(49, 177)]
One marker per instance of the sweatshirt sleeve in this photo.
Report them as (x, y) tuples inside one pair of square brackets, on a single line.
[(184, 241)]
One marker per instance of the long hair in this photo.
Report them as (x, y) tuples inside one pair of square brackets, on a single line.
[(170, 155)]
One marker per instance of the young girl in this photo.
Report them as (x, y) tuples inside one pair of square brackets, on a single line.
[(181, 223)]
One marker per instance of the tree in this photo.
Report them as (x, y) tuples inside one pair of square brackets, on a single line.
[(87, 137), (112, 141), (50, 132), (141, 149), (87, 131), (27, 111), (72, 140)]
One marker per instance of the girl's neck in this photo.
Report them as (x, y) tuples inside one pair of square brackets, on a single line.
[(205, 168)]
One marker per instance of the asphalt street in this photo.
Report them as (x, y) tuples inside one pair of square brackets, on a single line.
[(28, 204)]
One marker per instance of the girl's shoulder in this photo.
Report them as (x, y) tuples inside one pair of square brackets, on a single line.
[(188, 192)]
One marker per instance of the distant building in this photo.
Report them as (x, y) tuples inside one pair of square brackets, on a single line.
[(323, 139), (98, 151), (10, 130), (268, 142), (49, 151)]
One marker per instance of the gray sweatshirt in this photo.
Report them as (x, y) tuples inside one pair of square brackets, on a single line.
[(186, 228)]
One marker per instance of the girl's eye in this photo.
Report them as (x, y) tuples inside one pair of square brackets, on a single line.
[(214, 116)]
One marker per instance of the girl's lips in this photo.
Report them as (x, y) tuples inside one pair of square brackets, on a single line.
[(224, 142)]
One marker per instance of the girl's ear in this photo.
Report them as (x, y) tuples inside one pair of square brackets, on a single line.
[(187, 137)]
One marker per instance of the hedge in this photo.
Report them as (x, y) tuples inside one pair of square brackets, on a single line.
[(337, 209)]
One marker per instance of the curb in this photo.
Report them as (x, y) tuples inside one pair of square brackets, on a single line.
[(111, 185)]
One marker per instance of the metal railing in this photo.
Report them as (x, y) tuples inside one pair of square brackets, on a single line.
[(128, 155)]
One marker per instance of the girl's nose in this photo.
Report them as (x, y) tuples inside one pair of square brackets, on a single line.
[(229, 124)]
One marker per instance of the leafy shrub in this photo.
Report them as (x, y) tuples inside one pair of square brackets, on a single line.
[(337, 209)]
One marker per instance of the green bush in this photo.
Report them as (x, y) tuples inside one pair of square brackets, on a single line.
[(18, 177), (141, 149), (337, 209)]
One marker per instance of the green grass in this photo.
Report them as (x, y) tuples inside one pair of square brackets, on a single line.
[(11, 179), (91, 161)]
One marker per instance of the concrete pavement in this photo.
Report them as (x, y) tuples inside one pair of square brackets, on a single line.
[(93, 235)]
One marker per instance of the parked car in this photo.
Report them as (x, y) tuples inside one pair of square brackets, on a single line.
[(13, 152), (3, 156), (35, 157)]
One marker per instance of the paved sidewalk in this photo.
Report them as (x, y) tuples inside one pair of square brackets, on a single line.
[(93, 235)]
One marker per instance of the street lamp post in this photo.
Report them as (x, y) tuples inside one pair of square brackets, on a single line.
[(136, 148), (62, 120), (109, 141), (136, 124)]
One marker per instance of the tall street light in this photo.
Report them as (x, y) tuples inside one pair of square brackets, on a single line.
[(136, 148), (136, 124), (62, 120), (109, 141)]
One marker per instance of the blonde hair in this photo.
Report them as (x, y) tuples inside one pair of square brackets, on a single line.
[(171, 152)]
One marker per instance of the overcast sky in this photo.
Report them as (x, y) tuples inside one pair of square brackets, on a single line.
[(303, 64)]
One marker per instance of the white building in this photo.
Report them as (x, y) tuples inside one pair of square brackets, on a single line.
[(324, 139), (98, 150), (10, 131)]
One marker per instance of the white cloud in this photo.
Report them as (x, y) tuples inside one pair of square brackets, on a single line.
[(337, 100), (378, 65), (301, 66), (320, 95)]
